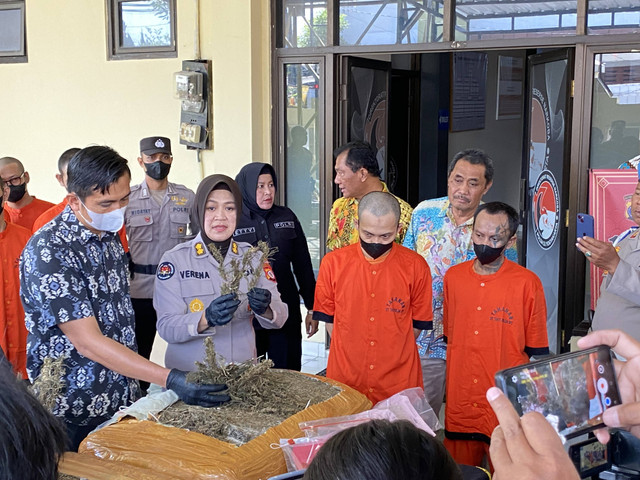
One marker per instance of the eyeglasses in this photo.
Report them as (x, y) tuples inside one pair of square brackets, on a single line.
[(15, 181)]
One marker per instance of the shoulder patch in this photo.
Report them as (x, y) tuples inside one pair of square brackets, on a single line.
[(199, 248), (165, 271), (268, 272), (234, 247)]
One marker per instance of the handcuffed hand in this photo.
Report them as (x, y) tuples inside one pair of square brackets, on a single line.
[(202, 395), (220, 311), (259, 300)]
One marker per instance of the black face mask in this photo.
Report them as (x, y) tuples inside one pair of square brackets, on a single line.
[(16, 192), (487, 254), (158, 170), (374, 250)]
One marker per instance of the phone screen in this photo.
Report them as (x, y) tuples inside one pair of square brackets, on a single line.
[(571, 390)]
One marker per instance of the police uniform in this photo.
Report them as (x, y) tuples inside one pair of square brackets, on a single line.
[(281, 229), (153, 229), (188, 280), (619, 302)]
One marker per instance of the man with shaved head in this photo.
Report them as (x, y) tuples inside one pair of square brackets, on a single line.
[(375, 297), (21, 208)]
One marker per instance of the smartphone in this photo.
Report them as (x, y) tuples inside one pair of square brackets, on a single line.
[(571, 390), (591, 457), (584, 225)]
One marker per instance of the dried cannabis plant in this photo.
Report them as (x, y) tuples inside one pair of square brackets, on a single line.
[(233, 272), (261, 397), (50, 382)]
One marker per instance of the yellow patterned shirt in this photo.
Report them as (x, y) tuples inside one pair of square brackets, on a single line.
[(343, 216)]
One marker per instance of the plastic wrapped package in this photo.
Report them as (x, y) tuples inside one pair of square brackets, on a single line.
[(298, 452), (411, 404), (329, 426), (152, 447)]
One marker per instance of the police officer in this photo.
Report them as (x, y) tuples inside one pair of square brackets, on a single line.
[(280, 228), (189, 290), (157, 219)]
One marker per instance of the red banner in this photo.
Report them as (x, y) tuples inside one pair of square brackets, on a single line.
[(610, 194)]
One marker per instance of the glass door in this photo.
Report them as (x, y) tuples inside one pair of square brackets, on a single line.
[(301, 146)]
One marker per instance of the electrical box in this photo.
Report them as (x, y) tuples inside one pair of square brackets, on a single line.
[(192, 86)]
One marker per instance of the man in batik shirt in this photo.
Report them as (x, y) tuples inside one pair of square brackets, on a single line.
[(440, 231)]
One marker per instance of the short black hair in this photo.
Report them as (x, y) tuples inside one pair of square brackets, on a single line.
[(495, 208), (383, 450), (475, 157), (31, 439), (66, 156), (95, 169), (360, 155)]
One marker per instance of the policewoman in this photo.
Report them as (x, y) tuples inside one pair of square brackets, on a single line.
[(262, 220), (188, 289)]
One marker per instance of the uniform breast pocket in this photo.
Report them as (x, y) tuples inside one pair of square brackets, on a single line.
[(139, 228), (197, 294), (179, 222)]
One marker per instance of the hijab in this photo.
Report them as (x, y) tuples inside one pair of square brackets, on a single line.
[(248, 182), (207, 185)]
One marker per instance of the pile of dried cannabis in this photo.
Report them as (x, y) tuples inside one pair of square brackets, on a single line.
[(261, 398)]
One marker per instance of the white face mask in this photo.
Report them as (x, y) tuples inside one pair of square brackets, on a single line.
[(105, 222)]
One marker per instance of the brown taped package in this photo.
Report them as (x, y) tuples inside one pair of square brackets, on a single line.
[(85, 466), (189, 455)]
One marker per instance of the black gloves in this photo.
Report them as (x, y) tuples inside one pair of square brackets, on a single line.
[(194, 393), (221, 310), (259, 300)]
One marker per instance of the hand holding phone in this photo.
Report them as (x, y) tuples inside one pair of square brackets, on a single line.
[(530, 448), (572, 390), (626, 415), (584, 225)]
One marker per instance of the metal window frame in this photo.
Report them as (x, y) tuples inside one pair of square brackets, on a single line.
[(115, 50), (20, 55)]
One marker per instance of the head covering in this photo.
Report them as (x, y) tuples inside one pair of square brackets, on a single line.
[(152, 145), (248, 182), (204, 189)]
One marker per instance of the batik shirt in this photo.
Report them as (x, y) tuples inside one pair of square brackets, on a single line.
[(343, 216), (433, 233), (68, 273)]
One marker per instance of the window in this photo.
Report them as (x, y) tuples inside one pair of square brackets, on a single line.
[(141, 29), (13, 47)]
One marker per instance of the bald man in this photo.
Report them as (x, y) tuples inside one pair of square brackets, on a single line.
[(21, 208), (375, 297)]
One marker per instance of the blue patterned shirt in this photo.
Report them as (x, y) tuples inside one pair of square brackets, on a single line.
[(433, 233), (68, 273)]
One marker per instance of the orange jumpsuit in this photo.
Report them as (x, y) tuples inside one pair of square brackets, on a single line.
[(26, 215), (374, 307), (13, 334), (491, 322), (56, 210)]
